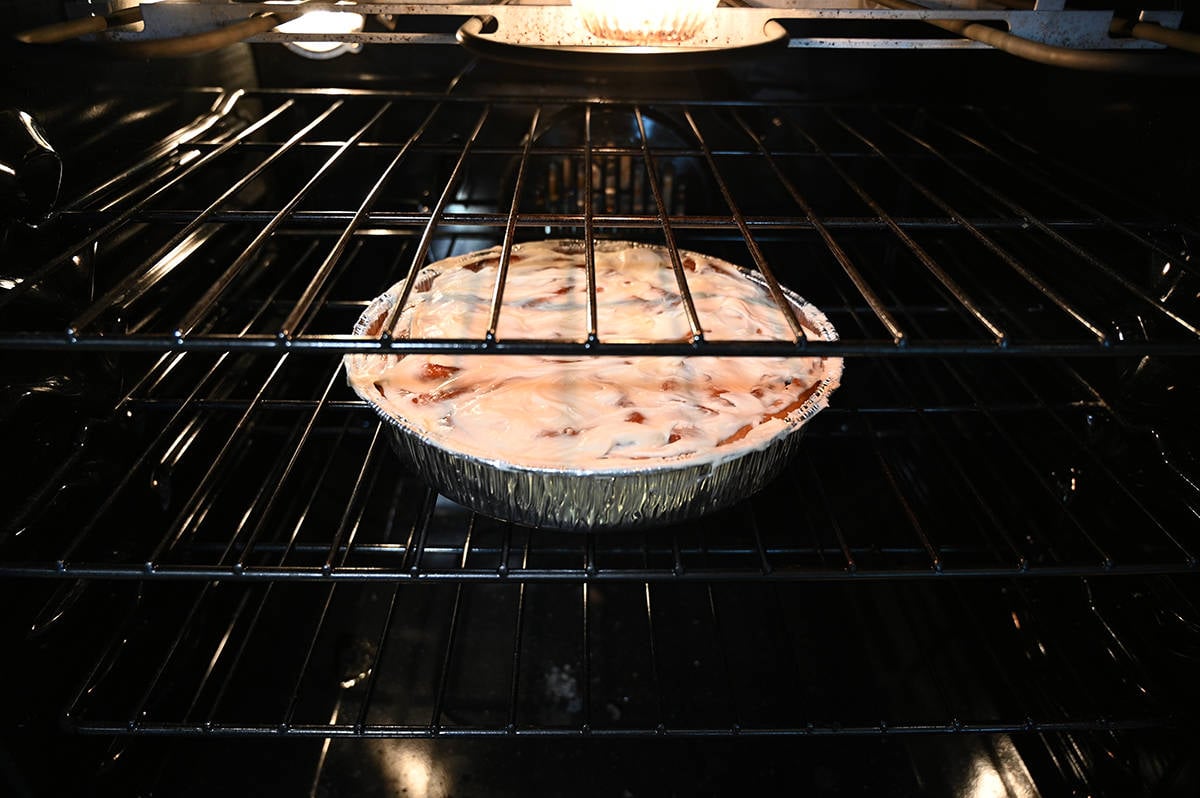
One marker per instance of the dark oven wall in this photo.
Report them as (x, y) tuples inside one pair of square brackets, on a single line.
[(976, 576)]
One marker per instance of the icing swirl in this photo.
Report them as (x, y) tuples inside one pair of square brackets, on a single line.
[(593, 413)]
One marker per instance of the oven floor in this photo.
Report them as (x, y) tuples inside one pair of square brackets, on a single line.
[(966, 765)]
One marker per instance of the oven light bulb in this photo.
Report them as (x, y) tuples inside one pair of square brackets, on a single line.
[(645, 22), (324, 22)]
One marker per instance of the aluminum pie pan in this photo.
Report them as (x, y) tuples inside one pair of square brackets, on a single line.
[(595, 499)]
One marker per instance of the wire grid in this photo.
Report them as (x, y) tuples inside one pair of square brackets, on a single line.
[(267, 473), (685, 661), (1011, 252), (261, 470), (260, 250)]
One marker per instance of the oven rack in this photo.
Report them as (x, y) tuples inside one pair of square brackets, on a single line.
[(695, 661), (858, 208), (231, 502), (211, 467), (230, 396)]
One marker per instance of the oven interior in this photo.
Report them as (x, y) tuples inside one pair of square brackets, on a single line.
[(977, 578)]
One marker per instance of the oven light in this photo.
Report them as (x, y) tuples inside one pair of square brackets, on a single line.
[(328, 22), (645, 22)]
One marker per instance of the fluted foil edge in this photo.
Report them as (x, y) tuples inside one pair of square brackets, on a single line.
[(581, 500)]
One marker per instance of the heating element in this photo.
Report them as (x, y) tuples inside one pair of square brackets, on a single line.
[(556, 26)]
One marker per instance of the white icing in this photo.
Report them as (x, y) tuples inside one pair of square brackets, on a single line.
[(594, 413)]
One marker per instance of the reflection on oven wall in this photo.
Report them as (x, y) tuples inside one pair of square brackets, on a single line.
[(618, 182), (976, 579)]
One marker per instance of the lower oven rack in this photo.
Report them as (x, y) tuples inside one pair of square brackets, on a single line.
[(1063, 687), (576, 660)]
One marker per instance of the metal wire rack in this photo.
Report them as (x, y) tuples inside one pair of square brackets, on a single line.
[(219, 434), (628, 660), (220, 467), (845, 203), (235, 480)]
